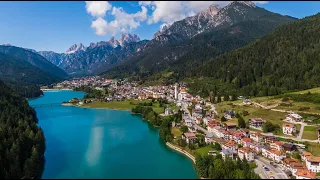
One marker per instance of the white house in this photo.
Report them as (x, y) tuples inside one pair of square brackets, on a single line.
[(289, 129), (273, 154), (227, 153), (167, 111), (211, 128), (209, 138), (292, 165), (247, 153), (189, 137), (198, 106), (277, 145), (256, 123), (305, 155), (305, 174), (313, 164), (206, 119), (245, 142), (188, 122), (230, 145), (257, 137), (293, 117), (199, 120)]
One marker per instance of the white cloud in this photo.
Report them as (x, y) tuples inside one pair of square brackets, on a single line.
[(122, 22), (165, 12), (260, 2), (98, 8), (171, 11)]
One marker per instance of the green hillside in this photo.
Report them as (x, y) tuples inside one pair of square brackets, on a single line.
[(286, 59), (22, 142), (34, 59), (23, 77)]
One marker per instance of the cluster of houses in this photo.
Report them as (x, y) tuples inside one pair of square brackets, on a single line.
[(247, 144), (93, 81)]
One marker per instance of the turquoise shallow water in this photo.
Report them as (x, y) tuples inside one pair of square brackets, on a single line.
[(98, 143)]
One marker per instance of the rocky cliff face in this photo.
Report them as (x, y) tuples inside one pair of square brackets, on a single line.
[(79, 59)]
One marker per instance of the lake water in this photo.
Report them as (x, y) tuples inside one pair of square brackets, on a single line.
[(98, 143)]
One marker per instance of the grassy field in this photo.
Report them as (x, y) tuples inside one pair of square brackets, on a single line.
[(310, 132), (272, 116), (314, 148), (176, 132), (128, 105), (204, 150)]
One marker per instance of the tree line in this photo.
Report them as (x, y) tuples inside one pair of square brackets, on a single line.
[(22, 142), (214, 167)]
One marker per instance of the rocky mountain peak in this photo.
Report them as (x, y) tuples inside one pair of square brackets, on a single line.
[(247, 3), (76, 47), (113, 42), (128, 38)]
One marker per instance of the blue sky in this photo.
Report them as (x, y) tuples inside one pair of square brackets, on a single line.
[(57, 25)]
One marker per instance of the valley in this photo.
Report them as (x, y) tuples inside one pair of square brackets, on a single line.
[(234, 88)]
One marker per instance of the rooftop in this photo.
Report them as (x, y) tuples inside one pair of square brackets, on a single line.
[(306, 173)]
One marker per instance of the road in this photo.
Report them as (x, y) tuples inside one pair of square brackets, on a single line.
[(185, 108), (277, 172)]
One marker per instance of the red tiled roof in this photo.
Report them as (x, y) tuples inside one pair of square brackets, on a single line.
[(279, 143), (189, 135), (288, 125), (246, 139), (313, 159), (257, 119), (306, 173), (245, 149), (306, 153), (276, 152)]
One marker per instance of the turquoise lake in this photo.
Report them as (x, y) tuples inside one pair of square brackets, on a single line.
[(99, 143)]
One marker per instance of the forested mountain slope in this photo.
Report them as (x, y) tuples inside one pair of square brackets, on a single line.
[(34, 59), (286, 59), (242, 23), (23, 77), (22, 142)]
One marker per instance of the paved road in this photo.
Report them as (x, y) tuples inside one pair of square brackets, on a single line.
[(277, 172), (185, 108)]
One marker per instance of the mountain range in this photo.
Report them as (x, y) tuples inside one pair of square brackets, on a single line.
[(207, 47), (194, 40), (219, 29), (81, 60)]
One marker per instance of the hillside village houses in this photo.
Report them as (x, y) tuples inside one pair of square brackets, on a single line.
[(289, 129), (293, 117), (256, 123), (225, 133), (247, 153)]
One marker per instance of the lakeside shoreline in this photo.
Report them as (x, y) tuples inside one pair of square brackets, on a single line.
[(173, 147), (87, 107), (64, 89)]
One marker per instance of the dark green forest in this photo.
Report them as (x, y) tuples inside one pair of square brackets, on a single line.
[(22, 142), (23, 77), (182, 57), (286, 59), (214, 167)]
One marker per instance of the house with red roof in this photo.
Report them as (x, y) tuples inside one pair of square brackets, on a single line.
[(246, 152), (305, 174), (278, 145), (257, 137), (245, 142)]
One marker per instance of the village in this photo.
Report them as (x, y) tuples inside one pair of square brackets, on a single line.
[(273, 156)]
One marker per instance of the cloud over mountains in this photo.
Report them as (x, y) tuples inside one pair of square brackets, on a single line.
[(165, 12)]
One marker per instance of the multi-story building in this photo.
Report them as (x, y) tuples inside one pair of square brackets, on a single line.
[(293, 117), (256, 123), (246, 152), (313, 163), (289, 129)]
